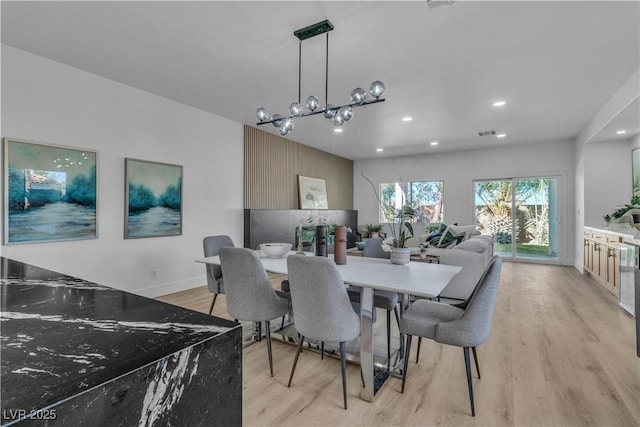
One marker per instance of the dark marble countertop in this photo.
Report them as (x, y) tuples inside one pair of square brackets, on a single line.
[(61, 336)]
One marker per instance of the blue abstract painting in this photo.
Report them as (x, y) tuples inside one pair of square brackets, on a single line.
[(153, 199), (50, 193)]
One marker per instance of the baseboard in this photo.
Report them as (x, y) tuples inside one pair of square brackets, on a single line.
[(170, 288)]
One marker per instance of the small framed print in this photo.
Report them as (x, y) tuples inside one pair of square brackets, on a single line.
[(153, 199)]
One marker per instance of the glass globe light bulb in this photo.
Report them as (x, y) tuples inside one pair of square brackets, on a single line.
[(295, 109), (277, 120), (346, 113), (329, 112), (377, 89), (313, 103), (358, 95), (262, 114), (287, 124)]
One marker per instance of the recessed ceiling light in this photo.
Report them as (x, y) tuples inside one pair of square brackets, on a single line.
[(407, 119), (499, 103), (501, 135), (621, 131), (338, 130), (379, 149), (433, 143)]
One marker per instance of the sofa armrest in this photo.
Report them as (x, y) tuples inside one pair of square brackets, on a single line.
[(463, 283)]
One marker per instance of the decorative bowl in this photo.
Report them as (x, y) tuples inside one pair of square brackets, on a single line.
[(275, 250), (360, 245)]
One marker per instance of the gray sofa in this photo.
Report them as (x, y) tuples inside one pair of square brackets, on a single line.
[(473, 255)]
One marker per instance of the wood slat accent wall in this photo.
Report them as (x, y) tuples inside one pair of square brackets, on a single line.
[(272, 165)]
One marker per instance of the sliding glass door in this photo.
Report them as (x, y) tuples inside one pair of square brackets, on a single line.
[(520, 213)]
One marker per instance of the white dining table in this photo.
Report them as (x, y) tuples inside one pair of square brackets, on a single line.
[(416, 278)]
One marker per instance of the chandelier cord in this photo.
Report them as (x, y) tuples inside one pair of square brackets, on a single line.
[(326, 75), (299, 71)]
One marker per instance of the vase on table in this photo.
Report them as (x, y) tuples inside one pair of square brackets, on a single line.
[(321, 240), (340, 245), (400, 256)]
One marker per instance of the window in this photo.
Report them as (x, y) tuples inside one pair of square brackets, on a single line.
[(425, 197)]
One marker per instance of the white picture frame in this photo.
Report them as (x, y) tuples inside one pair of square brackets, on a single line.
[(312, 193)]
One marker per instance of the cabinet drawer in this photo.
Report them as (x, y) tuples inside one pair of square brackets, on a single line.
[(612, 239), (604, 237)]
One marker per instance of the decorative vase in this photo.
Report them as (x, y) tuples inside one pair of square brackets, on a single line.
[(340, 245), (400, 256), (321, 240)]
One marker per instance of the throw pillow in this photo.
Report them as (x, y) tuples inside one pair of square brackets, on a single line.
[(473, 245), (464, 230), (449, 239)]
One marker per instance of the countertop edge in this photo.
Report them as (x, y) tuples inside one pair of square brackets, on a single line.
[(628, 237)]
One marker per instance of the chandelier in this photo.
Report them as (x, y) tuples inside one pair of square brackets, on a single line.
[(339, 115)]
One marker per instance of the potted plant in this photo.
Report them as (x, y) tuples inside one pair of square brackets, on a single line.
[(374, 230), (396, 243), (634, 203)]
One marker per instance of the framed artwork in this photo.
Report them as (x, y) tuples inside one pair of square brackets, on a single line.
[(153, 199), (50, 193), (635, 156), (312, 193)]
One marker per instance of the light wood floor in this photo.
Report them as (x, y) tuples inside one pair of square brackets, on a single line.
[(561, 352)]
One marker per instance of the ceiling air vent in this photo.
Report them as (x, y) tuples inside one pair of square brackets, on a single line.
[(487, 133), (434, 3)]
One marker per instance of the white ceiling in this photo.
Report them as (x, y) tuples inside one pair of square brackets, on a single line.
[(555, 63)]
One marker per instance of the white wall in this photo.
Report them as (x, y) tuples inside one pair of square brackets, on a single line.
[(459, 169), (48, 102), (579, 174), (608, 183)]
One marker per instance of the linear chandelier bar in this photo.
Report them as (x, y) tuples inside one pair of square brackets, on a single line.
[(313, 113), (339, 115)]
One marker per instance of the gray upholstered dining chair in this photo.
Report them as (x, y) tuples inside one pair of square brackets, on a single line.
[(462, 327), (215, 282), (321, 307), (250, 295), (381, 299)]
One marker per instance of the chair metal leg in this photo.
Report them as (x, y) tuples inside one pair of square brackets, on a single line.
[(418, 349), (475, 358), (395, 311), (267, 325), (343, 363), (322, 350), (406, 362), (212, 303), (259, 331), (282, 324), (388, 340), (295, 361), (467, 362)]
